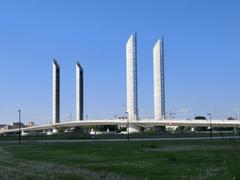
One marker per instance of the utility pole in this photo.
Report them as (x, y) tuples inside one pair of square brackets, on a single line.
[(210, 118)]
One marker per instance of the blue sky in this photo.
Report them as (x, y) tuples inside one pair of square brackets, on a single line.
[(202, 56)]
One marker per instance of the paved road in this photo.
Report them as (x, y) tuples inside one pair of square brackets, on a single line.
[(117, 140)]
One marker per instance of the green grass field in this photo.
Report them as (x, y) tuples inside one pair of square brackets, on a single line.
[(190, 159)]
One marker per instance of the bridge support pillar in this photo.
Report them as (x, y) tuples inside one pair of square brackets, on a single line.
[(56, 93), (79, 92)]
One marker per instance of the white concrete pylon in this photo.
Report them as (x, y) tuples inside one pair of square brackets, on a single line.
[(159, 82), (131, 65), (79, 92), (55, 92)]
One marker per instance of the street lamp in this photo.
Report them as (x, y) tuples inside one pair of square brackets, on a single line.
[(19, 128), (210, 118)]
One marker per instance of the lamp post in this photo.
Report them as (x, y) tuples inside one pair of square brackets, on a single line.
[(237, 112), (19, 128), (210, 118)]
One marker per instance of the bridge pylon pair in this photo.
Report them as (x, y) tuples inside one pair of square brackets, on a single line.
[(56, 92)]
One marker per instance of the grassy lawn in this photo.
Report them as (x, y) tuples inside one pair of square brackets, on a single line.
[(121, 160)]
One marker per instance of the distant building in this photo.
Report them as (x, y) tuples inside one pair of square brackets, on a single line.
[(7, 127), (15, 125), (2, 126), (30, 124)]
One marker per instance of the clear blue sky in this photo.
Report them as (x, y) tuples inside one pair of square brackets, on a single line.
[(202, 55)]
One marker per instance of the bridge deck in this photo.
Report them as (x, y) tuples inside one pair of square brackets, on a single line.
[(143, 122)]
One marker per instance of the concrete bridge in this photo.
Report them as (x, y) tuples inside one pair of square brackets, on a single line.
[(140, 123)]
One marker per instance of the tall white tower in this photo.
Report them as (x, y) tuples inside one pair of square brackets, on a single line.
[(159, 82), (79, 92), (131, 62), (55, 92)]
